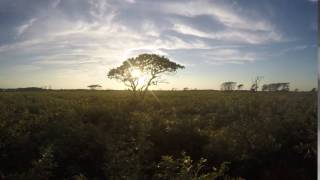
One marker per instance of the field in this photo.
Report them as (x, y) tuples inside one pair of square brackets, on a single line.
[(170, 135)]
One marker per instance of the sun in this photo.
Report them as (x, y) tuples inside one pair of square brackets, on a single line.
[(136, 73), (139, 75)]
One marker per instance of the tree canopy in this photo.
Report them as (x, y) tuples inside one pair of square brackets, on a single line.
[(228, 86), (276, 87), (141, 72), (94, 86), (256, 83)]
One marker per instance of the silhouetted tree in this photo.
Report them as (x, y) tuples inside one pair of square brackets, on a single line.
[(228, 86), (285, 86), (265, 87), (141, 72), (94, 86), (256, 83), (240, 86), (30, 89), (276, 87)]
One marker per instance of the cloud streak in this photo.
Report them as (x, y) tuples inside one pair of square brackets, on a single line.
[(104, 30), (21, 29), (101, 33)]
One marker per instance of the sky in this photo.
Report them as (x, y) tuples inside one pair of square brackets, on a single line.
[(68, 44)]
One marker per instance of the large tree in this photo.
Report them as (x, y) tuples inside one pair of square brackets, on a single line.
[(256, 83), (143, 71), (228, 86)]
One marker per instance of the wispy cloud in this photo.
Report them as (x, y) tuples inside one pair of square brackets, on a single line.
[(21, 29), (224, 14), (95, 35), (230, 36), (222, 56), (55, 3), (107, 30), (295, 48)]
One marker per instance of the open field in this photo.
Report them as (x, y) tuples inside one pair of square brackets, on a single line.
[(108, 135)]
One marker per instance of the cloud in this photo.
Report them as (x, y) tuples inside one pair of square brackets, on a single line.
[(231, 35), (295, 48), (236, 56), (237, 24), (104, 33), (226, 15), (131, 1), (67, 59), (56, 3), (21, 29), (25, 68)]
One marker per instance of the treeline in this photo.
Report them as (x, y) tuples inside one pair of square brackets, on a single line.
[(230, 86), (272, 87), (24, 89), (276, 87)]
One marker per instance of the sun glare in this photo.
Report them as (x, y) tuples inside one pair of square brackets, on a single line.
[(138, 74)]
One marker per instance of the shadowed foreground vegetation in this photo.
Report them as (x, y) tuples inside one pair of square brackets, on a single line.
[(172, 135)]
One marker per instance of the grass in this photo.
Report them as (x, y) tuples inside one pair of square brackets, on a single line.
[(109, 135)]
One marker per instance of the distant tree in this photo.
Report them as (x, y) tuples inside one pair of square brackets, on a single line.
[(94, 86), (185, 89), (30, 89), (313, 90), (296, 90), (276, 87), (265, 87), (228, 86), (143, 71), (285, 86), (240, 86), (256, 83)]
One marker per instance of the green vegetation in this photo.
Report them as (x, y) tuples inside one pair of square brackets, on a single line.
[(170, 135), (141, 72)]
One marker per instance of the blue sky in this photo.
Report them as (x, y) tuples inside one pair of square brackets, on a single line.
[(73, 43)]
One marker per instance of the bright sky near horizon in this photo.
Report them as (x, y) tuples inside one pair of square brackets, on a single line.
[(73, 43)]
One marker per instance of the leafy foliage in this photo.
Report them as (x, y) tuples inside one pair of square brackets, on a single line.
[(143, 71), (185, 169), (228, 86), (276, 87), (107, 135), (94, 86)]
